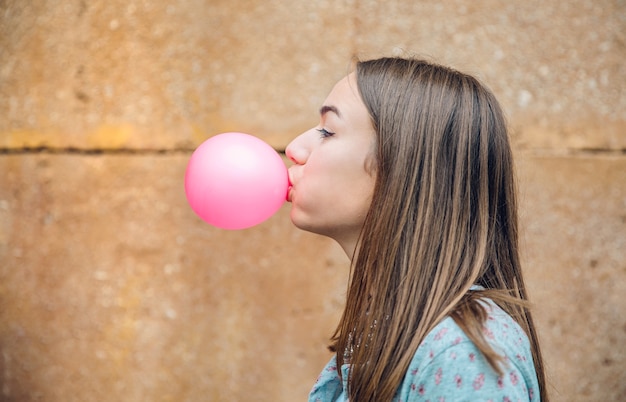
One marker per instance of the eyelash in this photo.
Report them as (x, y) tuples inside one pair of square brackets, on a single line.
[(325, 133)]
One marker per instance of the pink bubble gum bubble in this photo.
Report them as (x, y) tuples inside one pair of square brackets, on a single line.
[(235, 181)]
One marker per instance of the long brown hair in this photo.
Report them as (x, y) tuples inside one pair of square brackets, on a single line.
[(443, 217)]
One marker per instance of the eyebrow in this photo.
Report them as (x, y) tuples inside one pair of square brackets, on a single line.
[(329, 108)]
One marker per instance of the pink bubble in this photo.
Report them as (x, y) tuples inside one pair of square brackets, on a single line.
[(235, 181)]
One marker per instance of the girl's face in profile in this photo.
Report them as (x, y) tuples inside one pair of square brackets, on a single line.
[(332, 182)]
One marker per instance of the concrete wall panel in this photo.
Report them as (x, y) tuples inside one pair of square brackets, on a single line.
[(161, 75), (112, 289), (573, 214), (557, 67)]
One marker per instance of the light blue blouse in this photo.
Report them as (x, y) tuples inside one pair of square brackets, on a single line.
[(447, 366)]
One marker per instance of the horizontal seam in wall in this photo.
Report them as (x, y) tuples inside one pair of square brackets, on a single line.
[(98, 151), (570, 152), (181, 151)]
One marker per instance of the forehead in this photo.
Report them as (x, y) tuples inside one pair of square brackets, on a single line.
[(345, 90), (345, 101)]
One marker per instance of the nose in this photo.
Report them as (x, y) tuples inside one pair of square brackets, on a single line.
[(298, 150)]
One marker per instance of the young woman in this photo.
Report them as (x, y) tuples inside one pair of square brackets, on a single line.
[(410, 171)]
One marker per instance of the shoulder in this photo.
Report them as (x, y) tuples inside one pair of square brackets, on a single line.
[(448, 365), (329, 386)]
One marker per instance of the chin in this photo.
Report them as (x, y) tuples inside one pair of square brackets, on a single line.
[(298, 221), (301, 222)]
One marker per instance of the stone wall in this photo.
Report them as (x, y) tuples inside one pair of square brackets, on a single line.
[(111, 289)]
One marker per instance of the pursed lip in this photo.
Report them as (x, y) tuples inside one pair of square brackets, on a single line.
[(290, 187)]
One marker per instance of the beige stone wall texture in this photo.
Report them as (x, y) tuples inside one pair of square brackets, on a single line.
[(111, 289)]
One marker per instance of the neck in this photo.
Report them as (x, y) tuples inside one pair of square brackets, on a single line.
[(349, 247)]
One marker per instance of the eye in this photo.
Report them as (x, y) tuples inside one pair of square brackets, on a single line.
[(325, 133)]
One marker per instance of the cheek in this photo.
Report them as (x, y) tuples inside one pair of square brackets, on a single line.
[(352, 192), (332, 195), (362, 177), (360, 193), (336, 180)]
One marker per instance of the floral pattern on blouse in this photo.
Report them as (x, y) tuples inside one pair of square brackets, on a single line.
[(447, 367)]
